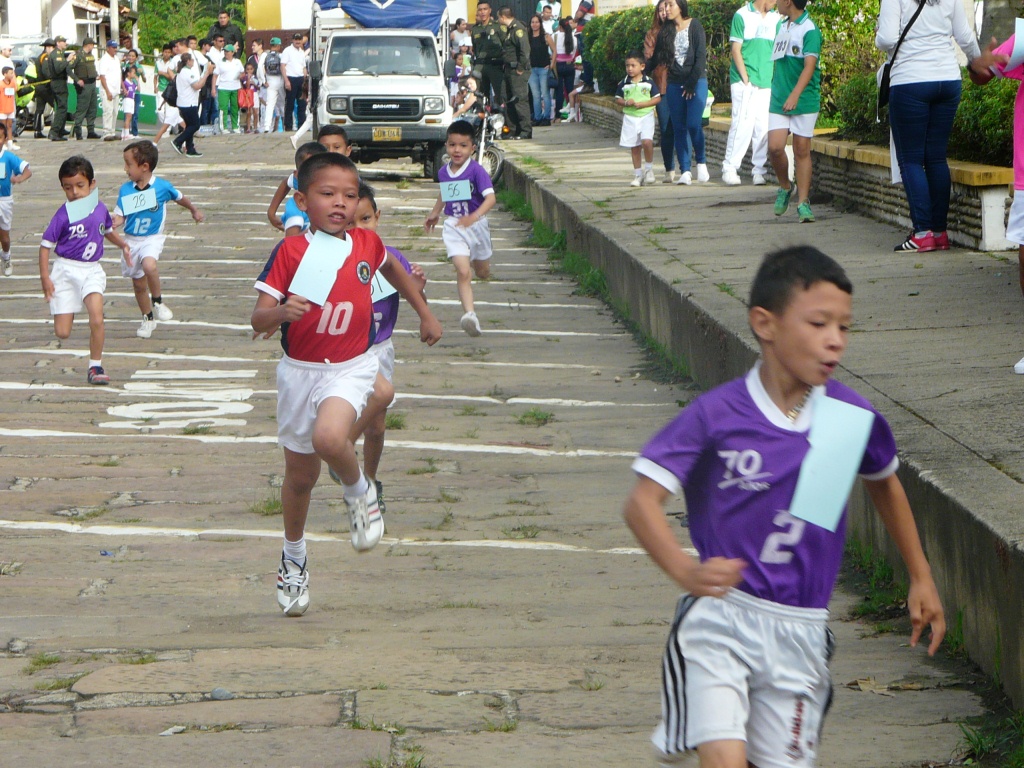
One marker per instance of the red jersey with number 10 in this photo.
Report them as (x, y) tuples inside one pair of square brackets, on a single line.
[(343, 327)]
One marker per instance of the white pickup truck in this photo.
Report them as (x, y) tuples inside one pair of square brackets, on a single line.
[(380, 75)]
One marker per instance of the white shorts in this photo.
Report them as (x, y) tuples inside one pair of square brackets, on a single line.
[(128, 106), (473, 241), (636, 130), (72, 282), (746, 669), (169, 115), (6, 213), (302, 387), (798, 125), (141, 248), (7, 116), (385, 352), (1015, 221)]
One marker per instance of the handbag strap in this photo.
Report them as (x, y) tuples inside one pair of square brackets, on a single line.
[(920, 7)]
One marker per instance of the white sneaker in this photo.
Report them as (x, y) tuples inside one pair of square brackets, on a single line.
[(292, 587), (469, 321), (759, 180), (1019, 367), (636, 182), (162, 313), (14, 145), (702, 173), (146, 329), (670, 177), (8, 269), (365, 521), (730, 178), (685, 178), (295, 141), (649, 177)]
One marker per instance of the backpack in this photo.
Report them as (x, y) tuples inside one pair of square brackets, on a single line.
[(170, 94), (272, 65)]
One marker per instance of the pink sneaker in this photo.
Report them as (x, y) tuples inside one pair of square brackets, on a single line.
[(922, 244), (941, 241)]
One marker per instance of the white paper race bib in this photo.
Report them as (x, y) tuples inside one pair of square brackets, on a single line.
[(3, 170), (79, 209), (319, 267), (380, 288), (140, 200)]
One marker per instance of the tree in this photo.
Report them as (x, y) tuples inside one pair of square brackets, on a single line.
[(164, 20)]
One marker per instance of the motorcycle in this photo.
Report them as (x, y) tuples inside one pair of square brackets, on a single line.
[(24, 116), (488, 154)]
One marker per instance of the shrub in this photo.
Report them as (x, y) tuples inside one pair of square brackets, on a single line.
[(607, 39), (855, 103), (983, 127)]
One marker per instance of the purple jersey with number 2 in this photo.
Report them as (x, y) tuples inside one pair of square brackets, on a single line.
[(385, 311), (81, 241), (737, 458), (479, 186)]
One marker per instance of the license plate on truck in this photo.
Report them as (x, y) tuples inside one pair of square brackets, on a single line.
[(391, 133)]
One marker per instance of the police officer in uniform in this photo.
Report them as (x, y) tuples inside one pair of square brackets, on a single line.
[(83, 73), (57, 70), (44, 95), (516, 56), (488, 60)]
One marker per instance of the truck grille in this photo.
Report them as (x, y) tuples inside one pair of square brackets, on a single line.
[(385, 109)]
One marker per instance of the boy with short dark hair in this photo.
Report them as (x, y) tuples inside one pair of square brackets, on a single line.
[(142, 208), (327, 371), (75, 234), (295, 220), (467, 194), (333, 138), (638, 95), (766, 463)]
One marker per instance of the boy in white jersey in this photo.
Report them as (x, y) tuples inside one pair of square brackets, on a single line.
[(638, 95), (141, 207), (746, 679)]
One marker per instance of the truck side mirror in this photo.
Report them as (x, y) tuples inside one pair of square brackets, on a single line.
[(314, 70)]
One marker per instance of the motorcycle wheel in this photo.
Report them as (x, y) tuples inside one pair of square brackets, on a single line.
[(494, 162), (22, 120)]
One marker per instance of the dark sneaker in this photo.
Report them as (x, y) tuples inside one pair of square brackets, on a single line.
[(177, 148), (97, 375), (93, 135), (194, 153), (380, 496)]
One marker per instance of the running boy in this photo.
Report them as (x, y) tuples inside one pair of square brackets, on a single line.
[(14, 170), (327, 372), (795, 103), (746, 668), (141, 207), (76, 236), (333, 138), (466, 235), (638, 95), (295, 220)]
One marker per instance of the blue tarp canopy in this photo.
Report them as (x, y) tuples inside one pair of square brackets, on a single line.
[(401, 14)]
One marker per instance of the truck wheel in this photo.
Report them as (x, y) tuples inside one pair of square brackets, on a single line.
[(435, 159)]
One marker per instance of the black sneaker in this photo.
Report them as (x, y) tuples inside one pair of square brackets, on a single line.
[(93, 135), (380, 495), (58, 138), (177, 148), (194, 153)]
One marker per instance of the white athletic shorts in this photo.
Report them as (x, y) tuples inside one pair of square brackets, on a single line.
[(798, 125), (169, 115), (141, 248), (746, 669), (636, 130), (128, 106), (302, 387), (7, 116), (72, 282), (473, 241), (1015, 221), (385, 352), (6, 213)]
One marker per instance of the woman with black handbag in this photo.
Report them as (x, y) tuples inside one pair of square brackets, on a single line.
[(189, 83)]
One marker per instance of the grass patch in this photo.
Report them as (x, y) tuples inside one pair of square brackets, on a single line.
[(59, 683), (472, 434), (659, 230), (727, 289), (535, 417), (884, 597), (394, 421), (267, 507), (129, 520), (363, 725), (139, 658), (524, 531), (515, 204), (113, 461), (197, 429), (533, 162), (41, 661), (430, 468), (459, 605), (447, 520), (403, 184), (998, 742), (505, 726), (470, 410), (447, 497)]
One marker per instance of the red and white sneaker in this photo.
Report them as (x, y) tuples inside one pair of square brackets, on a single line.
[(941, 241), (96, 375), (365, 521), (922, 244)]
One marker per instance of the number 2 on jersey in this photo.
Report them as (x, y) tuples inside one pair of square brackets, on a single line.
[(774, 550)]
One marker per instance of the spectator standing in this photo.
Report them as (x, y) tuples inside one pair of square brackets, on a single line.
[(56, 69), (228, 30), (189, 83), (751, 37), (516, 52), (134, 62), (293, 69), (44, 94), (226, 82), (659, 74), (682, 47), (84, 74), (923, 98), (549, 15), (488, 42), (542, 61), (585, 12), (166, 70), (461, 36), (270, 76), (565, 70), (109, 71)]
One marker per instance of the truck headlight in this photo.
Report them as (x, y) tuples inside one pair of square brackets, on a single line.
[(433, 105), (337, 104)]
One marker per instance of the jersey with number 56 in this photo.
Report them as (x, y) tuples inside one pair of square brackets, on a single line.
[(81, 240), (145, 214), (736, 457)]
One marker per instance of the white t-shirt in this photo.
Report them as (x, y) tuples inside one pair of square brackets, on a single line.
[(462, 38), (199, 59), (187, 95), (228, 73), (110, 67), (927, 52), (293, 62), (215, 56)]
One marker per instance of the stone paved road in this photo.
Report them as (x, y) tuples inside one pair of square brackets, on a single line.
[(507, 619)]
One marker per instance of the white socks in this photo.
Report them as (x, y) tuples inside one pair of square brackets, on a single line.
[(295, 550)]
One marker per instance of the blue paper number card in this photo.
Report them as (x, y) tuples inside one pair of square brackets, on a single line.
[(79, 209), (319, 267), (452, 191), (839, 434), (139, 200)]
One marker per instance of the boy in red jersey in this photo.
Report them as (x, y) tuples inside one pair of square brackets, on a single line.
[(327, 372)]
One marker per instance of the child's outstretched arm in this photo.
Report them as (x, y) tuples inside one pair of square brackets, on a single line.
[(433, 216), (115, 238), (645, 516), (923, 601), (23, 176), (197, 216), (410, 290), (269, 313), (488, 203), (275, 203)]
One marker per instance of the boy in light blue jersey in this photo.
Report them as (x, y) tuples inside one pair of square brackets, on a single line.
[(13, 170), (295, 220), (141, 207)]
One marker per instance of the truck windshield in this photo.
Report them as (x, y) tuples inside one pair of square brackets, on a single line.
[(382, 55)]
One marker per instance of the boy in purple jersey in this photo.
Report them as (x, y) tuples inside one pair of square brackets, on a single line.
[(77, 276), (466, 235), (746, 679)]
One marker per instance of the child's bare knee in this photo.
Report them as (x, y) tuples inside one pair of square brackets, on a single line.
[(61, 333)]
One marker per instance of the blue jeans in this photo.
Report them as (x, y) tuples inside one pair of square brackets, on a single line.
[(135, 116), (685, 115), (541, 92), (668, 148), (921, 117)]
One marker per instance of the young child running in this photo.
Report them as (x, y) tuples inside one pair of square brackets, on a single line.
[(142, 208), (327, 372), (15, 170), (795, 103), (76, 236), (295, 220), (638, 95), (333, 138), (746, 678), (467, 194)]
